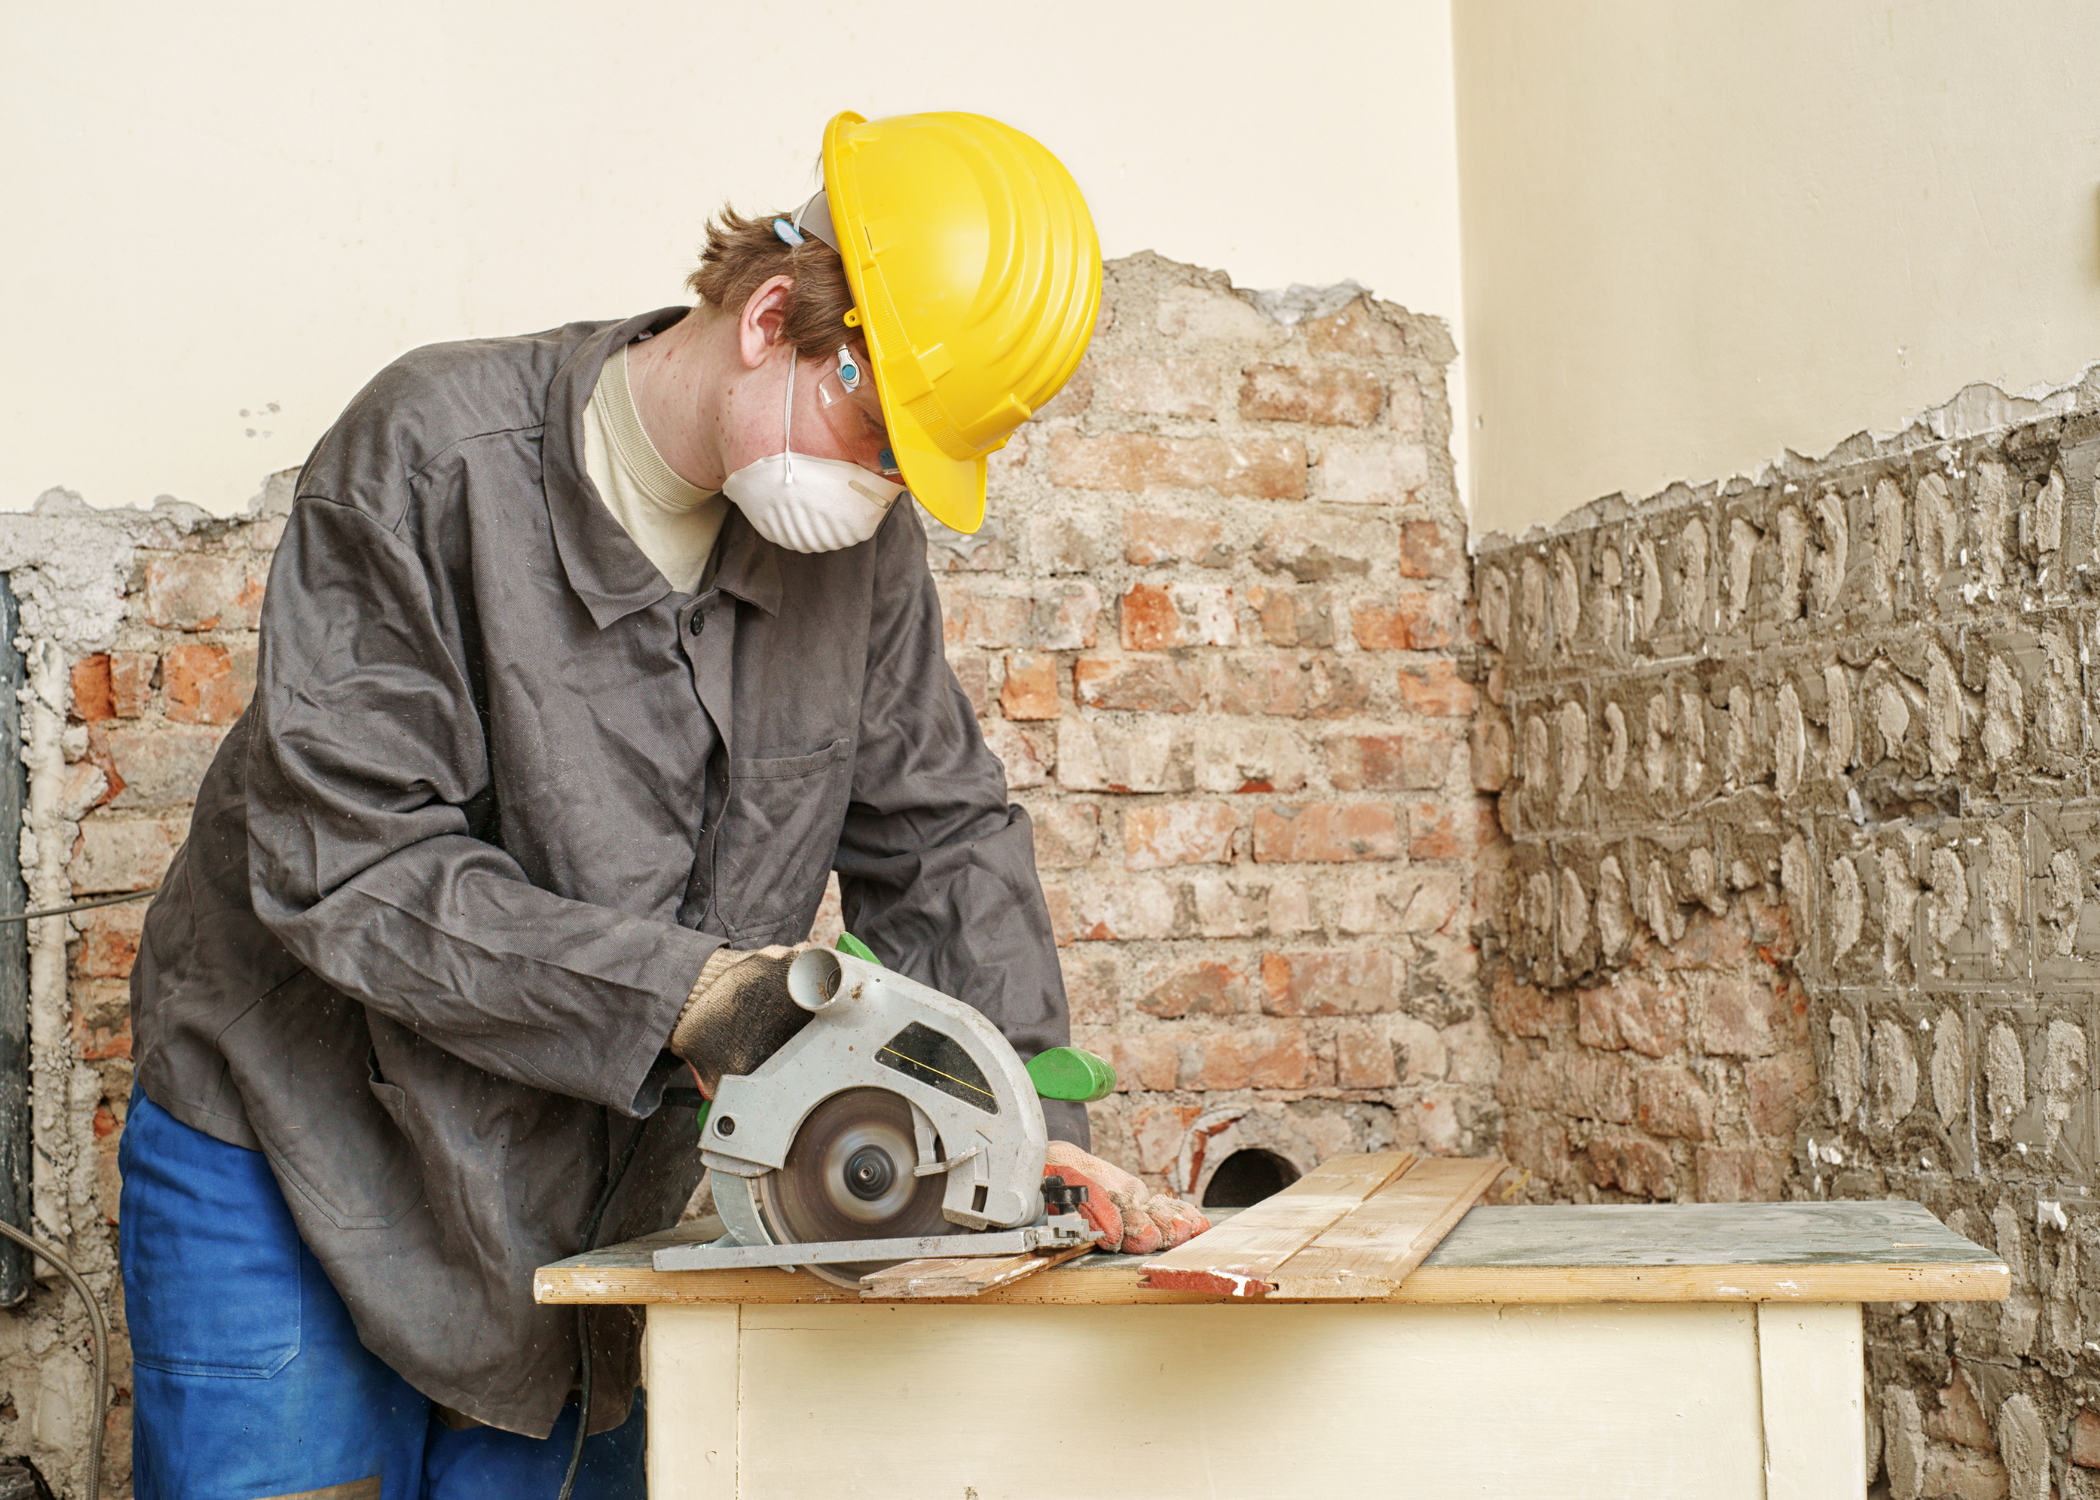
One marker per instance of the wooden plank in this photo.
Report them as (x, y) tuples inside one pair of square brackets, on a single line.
[(1811, 1369), (923, 1280), (1367, 1253), (1670, 1252), (1235, 1258)]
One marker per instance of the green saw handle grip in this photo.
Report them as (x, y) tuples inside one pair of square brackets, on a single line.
[(853, 947), (1069, 1073)]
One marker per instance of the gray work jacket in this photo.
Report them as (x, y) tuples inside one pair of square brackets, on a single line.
[(499, 794)]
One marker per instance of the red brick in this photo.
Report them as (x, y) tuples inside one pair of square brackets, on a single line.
[(1067, 616), (161, 767), (1634, 1166), (1146, 1061), (2085, 1440), (1245, 1060), (1142, 684), (1414, 761), (101, 1043), (1156, 616), (1317, 546), (1363, 1058), (1204, 987), (1294, 616), (1066, 834), (1732, 1176), (1246, 468), (1372, 473), (1593, 1087), (1075, 398), (1672, 1102), (1958, 1418), (1245, 758), (1159, 387), (1326, 832), (975, 617), (1125, 909), (1747, 1018), (1419, 621), (1159, 834), (1429, 549), (1781, 1089), (1356, 332), (1283, 685), (1434, 688), (109, 941), (196, 591), (1030, 688), (1320, 394), (1327, 982), (974, 678), (131, 681), (1450, 831), (113, 855), (1632, 1012), (1091, 988), (1063, 925), (1024, 753), (207, 684), (1523, 1010), (1158, 1130), (92, 703), (1152, 537)]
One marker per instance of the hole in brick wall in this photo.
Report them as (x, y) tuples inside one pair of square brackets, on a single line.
[(1244, 1178)]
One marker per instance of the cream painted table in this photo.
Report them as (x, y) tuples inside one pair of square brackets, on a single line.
[(1707, 1350)]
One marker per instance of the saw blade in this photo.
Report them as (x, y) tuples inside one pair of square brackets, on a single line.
[(848, 1176)]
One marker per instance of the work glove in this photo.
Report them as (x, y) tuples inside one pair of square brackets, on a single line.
[(1131, 1217), (739, 1013)]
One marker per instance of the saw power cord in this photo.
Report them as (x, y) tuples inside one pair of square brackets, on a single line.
[(583, 1310), (99, 1328)]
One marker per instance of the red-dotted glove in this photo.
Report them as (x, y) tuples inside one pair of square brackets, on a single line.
[(1131, 1217)]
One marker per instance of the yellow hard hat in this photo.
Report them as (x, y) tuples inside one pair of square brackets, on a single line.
[(977, 272)]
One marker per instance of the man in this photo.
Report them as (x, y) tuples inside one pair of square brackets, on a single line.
[(584, 658)]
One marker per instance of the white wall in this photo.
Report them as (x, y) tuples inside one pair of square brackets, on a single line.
[(227, 216), (1699, 233)]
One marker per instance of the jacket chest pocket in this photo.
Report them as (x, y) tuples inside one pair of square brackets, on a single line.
[(776, 839)]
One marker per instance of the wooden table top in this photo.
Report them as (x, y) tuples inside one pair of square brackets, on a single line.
[(1663, 1252)]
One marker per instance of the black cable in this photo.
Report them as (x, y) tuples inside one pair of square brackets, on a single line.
[(59, 911), (99, 1329), (583, 1310)]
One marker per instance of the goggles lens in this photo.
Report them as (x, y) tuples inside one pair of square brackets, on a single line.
[(851, 412)]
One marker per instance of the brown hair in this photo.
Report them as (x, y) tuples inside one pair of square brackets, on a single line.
[(741, 254)]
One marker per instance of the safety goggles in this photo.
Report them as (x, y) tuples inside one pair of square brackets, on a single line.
[(849, 408)]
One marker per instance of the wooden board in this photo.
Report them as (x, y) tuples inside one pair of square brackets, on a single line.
[(1812, 1400), (918, 1280), (1238, 1257), (1370, 1251), (1665, 1252)]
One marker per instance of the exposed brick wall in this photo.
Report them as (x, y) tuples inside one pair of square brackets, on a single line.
[(1211, 629), (1801, 899)]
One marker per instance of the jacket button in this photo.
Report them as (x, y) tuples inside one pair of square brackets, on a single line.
[(698, 623)]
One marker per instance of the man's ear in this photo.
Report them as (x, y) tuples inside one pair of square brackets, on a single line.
[(758, 331)]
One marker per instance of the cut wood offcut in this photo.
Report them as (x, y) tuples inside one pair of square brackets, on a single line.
[(1349, 1230)]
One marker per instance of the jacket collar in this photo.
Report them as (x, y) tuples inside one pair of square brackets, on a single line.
[(607, 570)]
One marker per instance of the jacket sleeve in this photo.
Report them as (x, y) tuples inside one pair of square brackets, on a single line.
[(366, 752), (936, 868)]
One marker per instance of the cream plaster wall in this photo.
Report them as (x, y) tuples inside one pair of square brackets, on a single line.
[(1697, 234), (223, 219)]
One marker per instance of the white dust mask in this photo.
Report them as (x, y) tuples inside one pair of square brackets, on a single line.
[(809, 504)]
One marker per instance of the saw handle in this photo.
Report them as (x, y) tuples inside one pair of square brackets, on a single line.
[(1072, 1073)]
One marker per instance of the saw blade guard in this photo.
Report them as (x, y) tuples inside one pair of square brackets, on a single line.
[(977, 1120)]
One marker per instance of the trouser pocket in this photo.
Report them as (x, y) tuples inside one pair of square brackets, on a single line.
[(209, 1252)]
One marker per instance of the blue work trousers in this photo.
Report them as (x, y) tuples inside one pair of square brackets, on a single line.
[(249, 1382)]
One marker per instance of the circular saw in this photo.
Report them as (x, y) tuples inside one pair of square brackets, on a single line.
[(898, 1124)]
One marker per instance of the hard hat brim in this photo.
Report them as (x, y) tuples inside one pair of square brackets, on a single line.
[(951, 489)]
